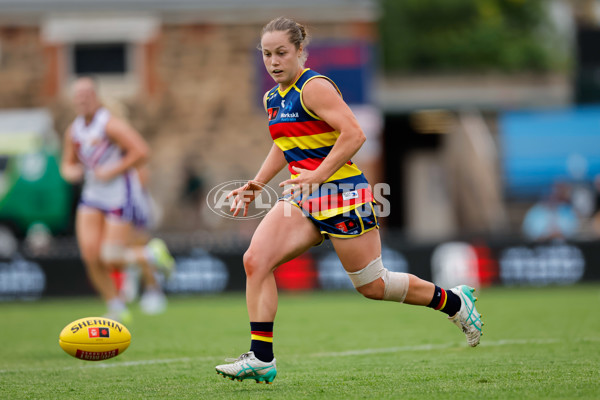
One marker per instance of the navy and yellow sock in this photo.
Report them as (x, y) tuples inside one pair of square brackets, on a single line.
[(445, 301), (262, 340)]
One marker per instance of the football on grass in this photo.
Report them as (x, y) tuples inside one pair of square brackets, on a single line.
[(94, 338)]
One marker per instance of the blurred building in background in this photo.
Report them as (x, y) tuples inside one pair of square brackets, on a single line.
[(187, 74), (474, 112), (449, 141)]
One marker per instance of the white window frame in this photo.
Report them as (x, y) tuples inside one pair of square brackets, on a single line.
[(131, 30)]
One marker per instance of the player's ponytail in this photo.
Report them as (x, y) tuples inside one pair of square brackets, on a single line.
[(302, 31)]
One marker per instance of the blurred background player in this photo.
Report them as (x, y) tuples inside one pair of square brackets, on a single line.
[(105, 153), (315, 135), (140, 272)]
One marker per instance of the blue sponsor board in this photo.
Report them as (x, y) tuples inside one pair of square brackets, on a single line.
[(539, 148)]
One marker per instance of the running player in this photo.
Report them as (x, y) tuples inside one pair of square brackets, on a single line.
[(315, 135), (152, 300), (103, 152)]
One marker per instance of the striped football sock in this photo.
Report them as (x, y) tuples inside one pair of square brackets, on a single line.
[(262, 340), (445, 301)]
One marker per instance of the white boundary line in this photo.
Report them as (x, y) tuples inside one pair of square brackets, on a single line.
[(114, 364), (429, 347), (423, 347)]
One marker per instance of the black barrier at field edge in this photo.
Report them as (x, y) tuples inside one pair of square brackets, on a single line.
[(496, 263)]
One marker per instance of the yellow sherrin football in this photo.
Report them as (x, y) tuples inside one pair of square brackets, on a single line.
[(94, 338)]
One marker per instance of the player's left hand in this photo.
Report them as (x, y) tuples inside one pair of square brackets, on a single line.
[(305, 183)]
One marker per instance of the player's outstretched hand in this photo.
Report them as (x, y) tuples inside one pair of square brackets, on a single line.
[(243, 196)]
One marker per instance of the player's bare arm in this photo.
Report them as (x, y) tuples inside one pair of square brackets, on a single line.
[(135, 148), (70, 167), (323, 100)]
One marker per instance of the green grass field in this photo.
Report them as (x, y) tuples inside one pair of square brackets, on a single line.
[(538, 343)]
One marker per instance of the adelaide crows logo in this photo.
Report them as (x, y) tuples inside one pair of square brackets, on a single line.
[(286, 111), (287, 107)]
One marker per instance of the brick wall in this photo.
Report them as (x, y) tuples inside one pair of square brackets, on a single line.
[(22, 67), (198, 106), (207, 110)]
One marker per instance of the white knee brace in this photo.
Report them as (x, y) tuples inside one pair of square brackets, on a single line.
[(396, 283), (112, 253)]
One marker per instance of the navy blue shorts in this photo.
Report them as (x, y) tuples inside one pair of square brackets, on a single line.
[(351, 224)]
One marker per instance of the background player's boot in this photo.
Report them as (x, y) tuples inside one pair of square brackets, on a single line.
[(247, 366), (467, 318), (153, 302), (161, 257), (122, 316)]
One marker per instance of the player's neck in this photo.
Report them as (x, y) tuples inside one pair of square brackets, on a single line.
[(88, 118), (283, 87)]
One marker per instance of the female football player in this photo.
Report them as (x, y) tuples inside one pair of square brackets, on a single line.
[(104, 152), (315, 135)]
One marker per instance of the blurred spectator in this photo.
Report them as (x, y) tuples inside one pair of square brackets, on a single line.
[(38, 238), (191, 195), (595, 220), (193, 185), (552, 218)]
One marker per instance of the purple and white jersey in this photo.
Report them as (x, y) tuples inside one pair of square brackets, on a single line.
[(122, 195)]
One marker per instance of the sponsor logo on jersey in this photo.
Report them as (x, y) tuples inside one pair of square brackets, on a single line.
[(273, 113), (286, 107)]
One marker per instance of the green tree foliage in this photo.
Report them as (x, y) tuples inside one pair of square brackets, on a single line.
[(466, 35)]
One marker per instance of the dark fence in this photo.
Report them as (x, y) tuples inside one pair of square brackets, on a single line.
[(214, 268)]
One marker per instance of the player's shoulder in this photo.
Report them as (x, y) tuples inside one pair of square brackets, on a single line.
[(115, 126), (307, 76), (270, 94), (318, 85)]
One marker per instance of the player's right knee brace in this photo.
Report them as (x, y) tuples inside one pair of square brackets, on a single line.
[(396, 283), (112, 253)]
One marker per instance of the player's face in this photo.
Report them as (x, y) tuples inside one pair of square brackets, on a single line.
[(84, 98), (281, 58)]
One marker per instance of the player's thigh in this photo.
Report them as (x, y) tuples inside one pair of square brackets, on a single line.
[(355, 253), (89, 227), (139, 237), (282, 235), (117, 232)]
